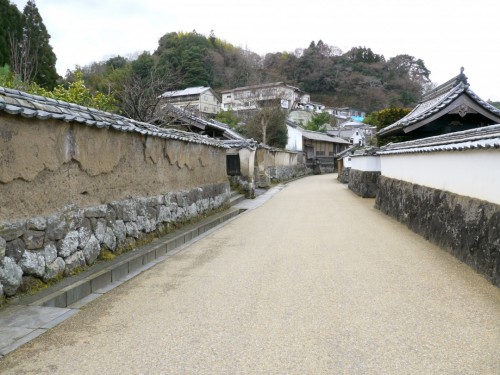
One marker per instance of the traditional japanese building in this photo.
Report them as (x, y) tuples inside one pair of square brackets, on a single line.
[(449, 108)]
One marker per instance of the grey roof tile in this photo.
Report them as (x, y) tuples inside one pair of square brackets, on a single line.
[(16, 102), (485, 137), (435, 101)]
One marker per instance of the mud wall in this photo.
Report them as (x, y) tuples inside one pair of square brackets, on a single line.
[(69, 192), (46, 165), (276, 166), (466, 227)]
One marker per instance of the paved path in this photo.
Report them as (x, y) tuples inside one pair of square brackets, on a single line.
[(315, 281)]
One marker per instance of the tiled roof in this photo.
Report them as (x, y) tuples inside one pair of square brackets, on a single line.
[(196, 120), (241, 143), (189, 91), (317, 136), (436, 100), (481, 138), (34, 106), (262, 86)]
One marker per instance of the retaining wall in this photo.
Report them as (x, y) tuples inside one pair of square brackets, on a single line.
[(363, 183), (466, 227)]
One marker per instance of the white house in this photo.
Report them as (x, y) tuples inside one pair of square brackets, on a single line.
[(200, 99), (254, 97)]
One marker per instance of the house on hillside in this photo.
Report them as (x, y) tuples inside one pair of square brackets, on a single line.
[(314, 107), (451, 107), (344, 114), (253, 97), (202, 100), (355, 132)]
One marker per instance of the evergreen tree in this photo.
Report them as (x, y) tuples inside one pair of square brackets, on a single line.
[(11, 26), (33, 58)]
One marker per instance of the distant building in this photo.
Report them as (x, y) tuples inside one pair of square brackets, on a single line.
[(346, 114), (254, 97), (355, 132), (202, 100)]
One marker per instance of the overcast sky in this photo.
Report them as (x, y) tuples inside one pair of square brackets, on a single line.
[(446, 34)]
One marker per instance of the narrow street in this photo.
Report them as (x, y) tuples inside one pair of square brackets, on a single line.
[(315, 281)]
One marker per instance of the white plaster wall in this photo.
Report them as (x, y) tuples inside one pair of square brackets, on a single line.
[(473, 173), (294, 139), (347, 162), (247, 163), (366, 163)]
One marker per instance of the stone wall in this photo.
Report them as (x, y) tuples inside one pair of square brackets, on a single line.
[(69, 191), (364, 183), (344, 177), (466, 227), (285, 173), (47, 247)]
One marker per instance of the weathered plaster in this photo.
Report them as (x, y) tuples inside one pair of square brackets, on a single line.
[(47, 165)]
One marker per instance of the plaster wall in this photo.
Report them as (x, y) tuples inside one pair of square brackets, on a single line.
[(347, 162), (294, 139), (47, 165), (366, 163), (472, 173), (247, 163)]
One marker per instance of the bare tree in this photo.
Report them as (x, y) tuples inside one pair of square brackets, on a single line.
[(24, 56), (140, 97)]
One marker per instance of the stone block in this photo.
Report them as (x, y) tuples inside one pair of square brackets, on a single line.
[(110, 239), (91, 250), (33, 263), (33, 239), (54, 269), (10, 276), (97, 211), (74, 261), (50, 252), (37, 223), (57, 227), (68, 245), (15, 249), (3, 245), (11, 231)]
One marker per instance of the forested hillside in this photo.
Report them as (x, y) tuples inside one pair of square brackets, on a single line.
[(358, 78)]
